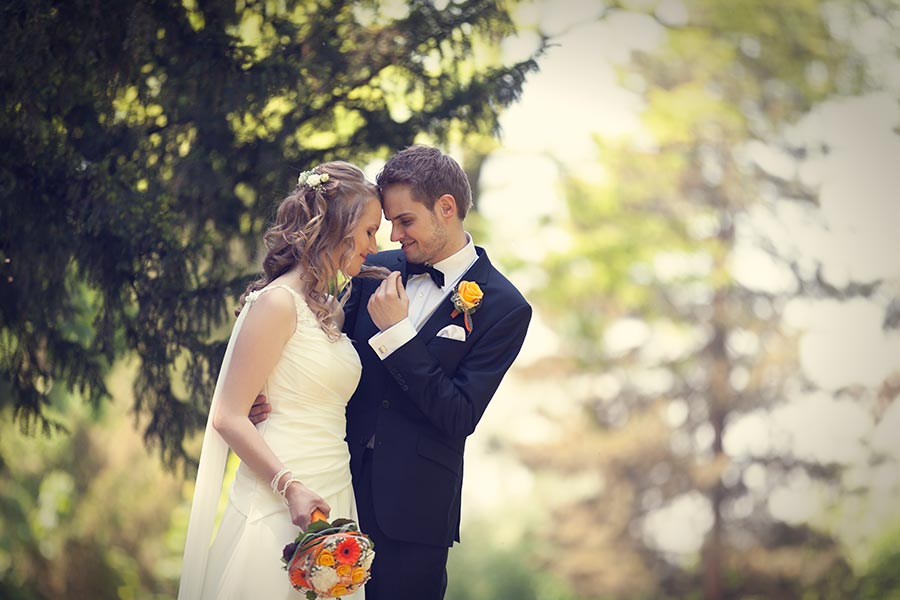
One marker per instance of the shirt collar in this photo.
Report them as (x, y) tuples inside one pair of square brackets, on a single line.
[(455, 266)]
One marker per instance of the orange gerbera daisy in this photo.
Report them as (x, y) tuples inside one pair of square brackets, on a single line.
[(347, 551), (298, 578)]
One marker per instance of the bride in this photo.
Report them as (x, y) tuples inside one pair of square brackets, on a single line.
[(287, 342)]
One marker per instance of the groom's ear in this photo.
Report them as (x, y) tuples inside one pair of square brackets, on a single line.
[(446, 206)]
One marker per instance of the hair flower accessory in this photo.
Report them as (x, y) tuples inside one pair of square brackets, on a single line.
[(466, 299), (312, 179)]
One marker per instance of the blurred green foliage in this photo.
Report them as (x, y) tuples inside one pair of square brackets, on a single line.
[(88, 514), (144, 146), (487, 567), (142, 149), (671, 347)]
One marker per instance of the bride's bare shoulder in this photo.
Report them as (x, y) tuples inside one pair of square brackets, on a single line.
[(273, 307)]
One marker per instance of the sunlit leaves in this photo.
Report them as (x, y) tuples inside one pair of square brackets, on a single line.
[(688, 112), (143, 147)]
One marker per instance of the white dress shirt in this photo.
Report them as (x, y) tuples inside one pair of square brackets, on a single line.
[(424, 298)]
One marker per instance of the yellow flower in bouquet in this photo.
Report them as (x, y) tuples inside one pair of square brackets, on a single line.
[(343, 571), (329, 560), (359, 575)]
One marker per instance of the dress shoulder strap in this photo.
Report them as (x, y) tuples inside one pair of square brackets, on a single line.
[(304, 313), (252, 296), (294, 293)]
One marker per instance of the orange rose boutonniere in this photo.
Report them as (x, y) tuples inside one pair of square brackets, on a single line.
[(466, 299)]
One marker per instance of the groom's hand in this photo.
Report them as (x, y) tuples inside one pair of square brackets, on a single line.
[(389, 304), (260, 410)]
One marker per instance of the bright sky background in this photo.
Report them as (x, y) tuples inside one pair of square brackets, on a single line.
[(853, 236)]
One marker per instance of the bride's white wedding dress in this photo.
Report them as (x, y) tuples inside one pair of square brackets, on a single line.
[(308, 391)]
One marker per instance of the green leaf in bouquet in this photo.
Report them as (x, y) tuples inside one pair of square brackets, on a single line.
[(306, 537), (317, 526), (342, 524)]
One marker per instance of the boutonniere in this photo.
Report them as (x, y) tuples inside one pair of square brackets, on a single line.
[(466, 299)]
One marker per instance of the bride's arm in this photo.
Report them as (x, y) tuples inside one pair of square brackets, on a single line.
[(267, 327)]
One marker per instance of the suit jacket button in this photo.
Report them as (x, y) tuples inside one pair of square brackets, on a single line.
[(405, 388), (385, 404)]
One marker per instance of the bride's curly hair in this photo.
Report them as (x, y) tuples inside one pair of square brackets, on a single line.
[(312, 224)]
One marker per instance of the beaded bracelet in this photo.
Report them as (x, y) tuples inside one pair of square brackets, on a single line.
[(283, 490), (277, 478)]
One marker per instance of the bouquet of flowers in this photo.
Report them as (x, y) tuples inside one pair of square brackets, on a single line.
[(329, 560)]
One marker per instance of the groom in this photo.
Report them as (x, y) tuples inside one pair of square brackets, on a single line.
[(429, 371)]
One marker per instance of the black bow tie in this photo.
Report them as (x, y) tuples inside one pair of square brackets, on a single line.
[(418, 268)]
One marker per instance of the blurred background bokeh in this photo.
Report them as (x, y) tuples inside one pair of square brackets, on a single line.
[(699, 198)]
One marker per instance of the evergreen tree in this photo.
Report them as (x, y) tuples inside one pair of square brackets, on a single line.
[(144, 146)]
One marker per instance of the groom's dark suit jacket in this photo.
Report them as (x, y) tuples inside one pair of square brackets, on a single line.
[(423, 400)]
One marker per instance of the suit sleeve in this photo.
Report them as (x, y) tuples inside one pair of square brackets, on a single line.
[(455, 405)]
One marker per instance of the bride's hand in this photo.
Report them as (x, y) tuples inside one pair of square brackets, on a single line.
[(302, 501)]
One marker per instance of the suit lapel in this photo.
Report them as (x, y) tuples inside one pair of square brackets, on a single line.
[(479, 272), (400, 266)]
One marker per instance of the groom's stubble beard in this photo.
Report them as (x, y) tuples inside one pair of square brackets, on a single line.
[(432, 247)]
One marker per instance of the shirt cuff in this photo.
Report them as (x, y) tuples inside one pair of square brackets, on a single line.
[(386, 342)]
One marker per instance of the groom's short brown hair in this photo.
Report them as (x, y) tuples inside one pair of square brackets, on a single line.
[(430, 174)]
